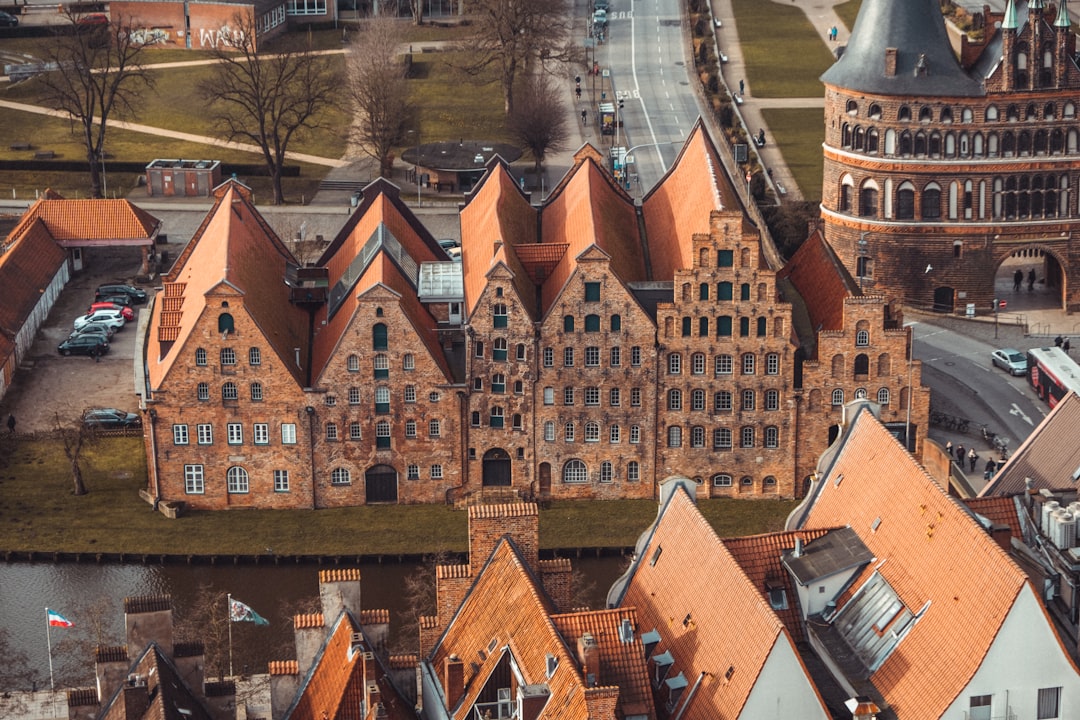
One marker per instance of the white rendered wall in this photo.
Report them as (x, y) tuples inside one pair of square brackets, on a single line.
[(783, 691)]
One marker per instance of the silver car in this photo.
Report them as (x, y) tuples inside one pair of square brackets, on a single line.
[(1011, 361)]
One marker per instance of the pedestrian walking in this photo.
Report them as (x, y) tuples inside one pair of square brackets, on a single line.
[(1031, 280), (1058, 340), (584, 115), (948, 448), (960, 455), (973, 457), (11, 424), (991, 467), (1018, 279), (1065, 346), (742, 87)]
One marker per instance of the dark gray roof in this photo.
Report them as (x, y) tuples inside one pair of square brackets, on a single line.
[(916, 29), (834, 552)]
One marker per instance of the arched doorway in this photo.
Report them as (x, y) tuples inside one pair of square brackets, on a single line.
[(496, 468), (1051, 281), (943, 299), (380, 484), (545, 480)]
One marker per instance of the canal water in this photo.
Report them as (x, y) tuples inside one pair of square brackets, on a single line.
[(91, 596)]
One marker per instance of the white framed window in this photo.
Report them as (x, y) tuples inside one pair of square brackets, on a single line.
[(614, 434), (410, 393), (592, 396), (549, 396), (614, 397), (499, 349), (256, 392), (549, 357), (412, 472), (772, 437), (382, 399), (860, 393), (721, 481), (568, 396), (340, 476), (382, 366), (200, 357), (410, 428), (746, 437), (194, 480), (633, 471), (288, 433), (352, 363), (749, 400), (436, 472), (697, 400), (979, 707), (607, 473), (354, 396), (549, 431), (305, 7), (204, 433), (519, 352), (331, 431), (772, 399), (254, 356), (674, 436), (837, 397), (228, 356), (721, 439), (434, 396), (261, 433), (616, 356), (723, 365), (568, 432), (574, 471), (355, 432), (568, 357), (697, 437), (772, 364), (180, 435), (674, 400), (236, 479), (498, 383), (203, 391), (434, 428), (635, 397), (748, 362), (592, 356), (330, 400), (883, 396), (281, 481), (592, 432), (862, 338), (229, 392), (722, 401), (635, 356), (635, 434), (408, 362), (674, 364), (697, 364)]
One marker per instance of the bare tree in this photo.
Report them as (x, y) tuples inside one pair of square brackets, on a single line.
[(539, 121), (418, 594), (99, 71), (514, 35), (269, 99), (378, 90), (416, 10), (206, 620), (15, 673), (73, 439)]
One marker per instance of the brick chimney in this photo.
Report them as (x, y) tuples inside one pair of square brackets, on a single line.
[(489, 523), (375, 624), (135, 696), (189, 660), (588, 651), (221, 698), (309, 633), (556, 577), (890, 62), (339, 589), (148, 619), (284, 683), (110, 666), (453, 681), (83, 704)]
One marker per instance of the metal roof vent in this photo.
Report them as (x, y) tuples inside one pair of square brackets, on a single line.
[(626, 631)]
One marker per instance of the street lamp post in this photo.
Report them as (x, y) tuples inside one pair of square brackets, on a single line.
[(416, 166), (629, 157)]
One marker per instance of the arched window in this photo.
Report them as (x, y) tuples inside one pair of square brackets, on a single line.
[(903, 114), (847, 191), (772, 437), (868, 199), (568, 323), (499, 349), (592, 431), (721, 481), (862, 364), (674, 399), (225, 323), (926, 114), (837, 397), (883, 396), (237, 479), (606, 474), (378, 337), (852, 108), (592, 323), (746, 437), (228, 391), (697, 437), (574, 471), (905, 201), (862, 338), (616, 323), (703, 291), (352, 363), (340, 476)]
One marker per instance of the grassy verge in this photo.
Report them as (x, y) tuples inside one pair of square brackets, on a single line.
[(848, 11), (799, 132), (38, 512), (783, 52)]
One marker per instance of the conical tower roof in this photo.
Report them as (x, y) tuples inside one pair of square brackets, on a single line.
[(916, 30)]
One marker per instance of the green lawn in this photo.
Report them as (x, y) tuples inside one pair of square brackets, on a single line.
[(39, 512), (799, 133), (848, 11), (784, 53)]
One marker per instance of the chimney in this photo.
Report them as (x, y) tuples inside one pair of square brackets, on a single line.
[(372, 697), (284, 683), (148, 619), (339, 589), (309, 634), (136, 698), (531, 700), (798, 548), (488, 524), (189, 660), (1002, 535), (453, 681), (82, 704), (862, 708), (589, 655), (110, 667), (890, 62)]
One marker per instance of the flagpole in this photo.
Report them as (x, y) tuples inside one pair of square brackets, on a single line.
[(48, 639), (228, 617)]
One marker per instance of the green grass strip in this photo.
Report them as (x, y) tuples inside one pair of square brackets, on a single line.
[(783, 52)]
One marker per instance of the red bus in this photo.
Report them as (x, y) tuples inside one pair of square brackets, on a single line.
[(1052, 373)]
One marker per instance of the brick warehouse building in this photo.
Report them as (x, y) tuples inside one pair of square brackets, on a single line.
[(947, 153), (586, 348)]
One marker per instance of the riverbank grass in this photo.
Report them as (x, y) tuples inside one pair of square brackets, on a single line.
[(39, 512)]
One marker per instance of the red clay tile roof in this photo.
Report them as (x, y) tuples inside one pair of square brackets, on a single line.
[(998, 510), (89, 219), (759, 557), (28, 264), (170, 697), (934, 555), (1049, 456), (678, 206), (822, 281), (680, 595), (236, 252), (334, 689)]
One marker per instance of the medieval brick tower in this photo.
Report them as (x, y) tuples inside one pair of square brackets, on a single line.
[(948, 152)]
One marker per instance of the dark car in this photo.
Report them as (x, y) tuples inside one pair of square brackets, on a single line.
[(94, 333), (95, 327), (8, 20), (110, 418), (137, 296), (83, 345)]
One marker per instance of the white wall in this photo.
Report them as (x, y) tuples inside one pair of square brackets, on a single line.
[(1025, 656), (783, 690), (24, 339)]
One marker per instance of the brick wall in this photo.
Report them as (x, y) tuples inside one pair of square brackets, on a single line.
[(488, 524)]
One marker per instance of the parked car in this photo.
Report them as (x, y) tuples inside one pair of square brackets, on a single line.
[(93, 20), (137, 295), (96, 327), (8, 20), (124, 310), (718, 22), (123, 300), (98, 334), (110, 418), (1011, 361), (110, 317), (84, 345)]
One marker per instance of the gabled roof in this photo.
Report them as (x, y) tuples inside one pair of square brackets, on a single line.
[(689, 586), (1050, 455), (334, 688), (90, 219), (679, 206), (495, 222), (588, 208), (939, 562), (169, 697), (822, 281), (999, 511), (925, 63), (506, 611), (234, 252), (27, 265)]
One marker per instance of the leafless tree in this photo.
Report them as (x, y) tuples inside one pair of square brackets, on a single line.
[(418, 595), (513, 36), (378, 90), (539, 120), (73, 648), (206, 620), (99, 71), (416, 10), (73, 438), (269, 99), (15, 673)]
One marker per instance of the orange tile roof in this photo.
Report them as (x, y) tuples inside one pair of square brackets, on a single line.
[(28, 264), (998, 510), (90, 219), (1049, 456), (935, 556), (234, 252), (693, 575), (821, 280), (678, 206), (335, 687)]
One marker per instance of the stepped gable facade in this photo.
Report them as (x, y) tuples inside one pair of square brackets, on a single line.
[(946, 155), (852, 346)]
